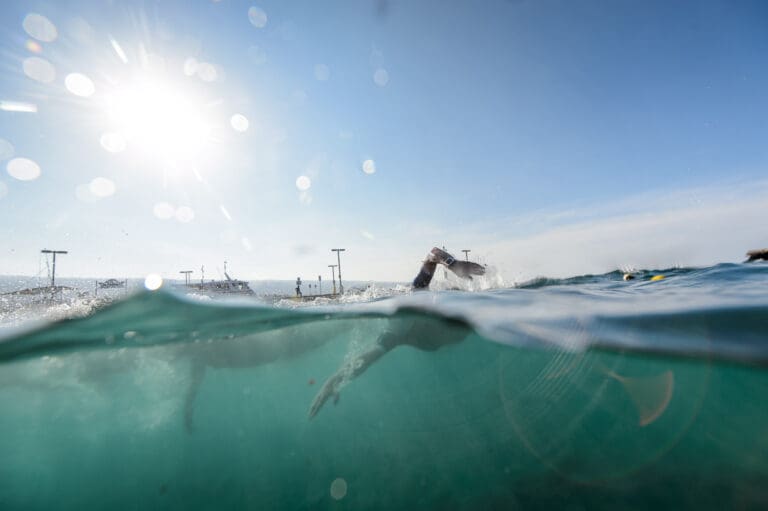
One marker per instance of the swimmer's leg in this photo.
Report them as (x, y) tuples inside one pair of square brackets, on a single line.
[(198, 373)]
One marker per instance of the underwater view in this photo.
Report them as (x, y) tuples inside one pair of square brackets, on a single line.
[(383, 255), (593, 392)]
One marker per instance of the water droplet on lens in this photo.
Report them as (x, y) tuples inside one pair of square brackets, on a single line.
[(338, 488), (381, 77), (113, 142), (185, 214), (322, 72), (257, 17), (40, 27), (23, 169), (39, 69), (102, 187), (79, 85), (239, 122), (163, 210)]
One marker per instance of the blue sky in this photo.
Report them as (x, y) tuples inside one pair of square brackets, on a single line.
[(551, 137)]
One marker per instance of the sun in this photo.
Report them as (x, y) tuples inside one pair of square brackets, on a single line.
[(158, 119)]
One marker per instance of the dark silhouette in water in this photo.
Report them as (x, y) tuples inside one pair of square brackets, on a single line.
[(420, 333), (757, 255), (424, 334)]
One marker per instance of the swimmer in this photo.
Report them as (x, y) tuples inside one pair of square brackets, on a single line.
[(757, 255), (252, 351), (421, 333)]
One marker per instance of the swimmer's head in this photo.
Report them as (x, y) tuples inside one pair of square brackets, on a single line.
[(628, 276)]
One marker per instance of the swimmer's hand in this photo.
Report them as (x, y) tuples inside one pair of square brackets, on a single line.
[(463, 269), (466, 269), (330, 389)]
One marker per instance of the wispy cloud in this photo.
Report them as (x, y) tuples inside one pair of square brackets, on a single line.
[(690, 227)]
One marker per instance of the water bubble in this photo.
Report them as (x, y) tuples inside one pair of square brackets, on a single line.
[(322, 72), (207, 72), (113, 142), (303, 183), (39, 69), (102, 187), (257, 17), (40, 27), (6, 149), (153, 282), (381, 77), (369, 167), (79, 85), (338, 488), (4, 190), (190, 66), (239, 122), (163, 210), (185, 214), (23, 169)]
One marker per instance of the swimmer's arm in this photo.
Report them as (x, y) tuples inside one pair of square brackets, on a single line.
[(463, 269), (346, 372)]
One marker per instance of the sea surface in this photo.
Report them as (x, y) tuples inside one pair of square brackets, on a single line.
[(585, 393)]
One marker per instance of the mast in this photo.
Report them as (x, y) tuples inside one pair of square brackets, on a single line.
[(338, 261), (54, 252), (333, 276), (186, 276)]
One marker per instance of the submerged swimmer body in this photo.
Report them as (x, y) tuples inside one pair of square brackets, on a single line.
[(251, 352), (420, 333)]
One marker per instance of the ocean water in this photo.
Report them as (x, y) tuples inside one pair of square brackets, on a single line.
[(582, 393)]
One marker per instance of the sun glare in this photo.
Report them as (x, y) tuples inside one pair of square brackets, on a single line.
[(157, 119)]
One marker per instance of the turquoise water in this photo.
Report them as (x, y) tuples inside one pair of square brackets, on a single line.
[(583, 393)]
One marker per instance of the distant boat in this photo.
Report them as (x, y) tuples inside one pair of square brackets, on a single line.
[(229, 286), (36, 291), (52, 290), (112, 283)]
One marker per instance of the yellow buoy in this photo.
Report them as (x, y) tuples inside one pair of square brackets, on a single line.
[(657, 277)]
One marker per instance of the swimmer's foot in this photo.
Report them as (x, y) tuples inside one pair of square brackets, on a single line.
[(464, 269)]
